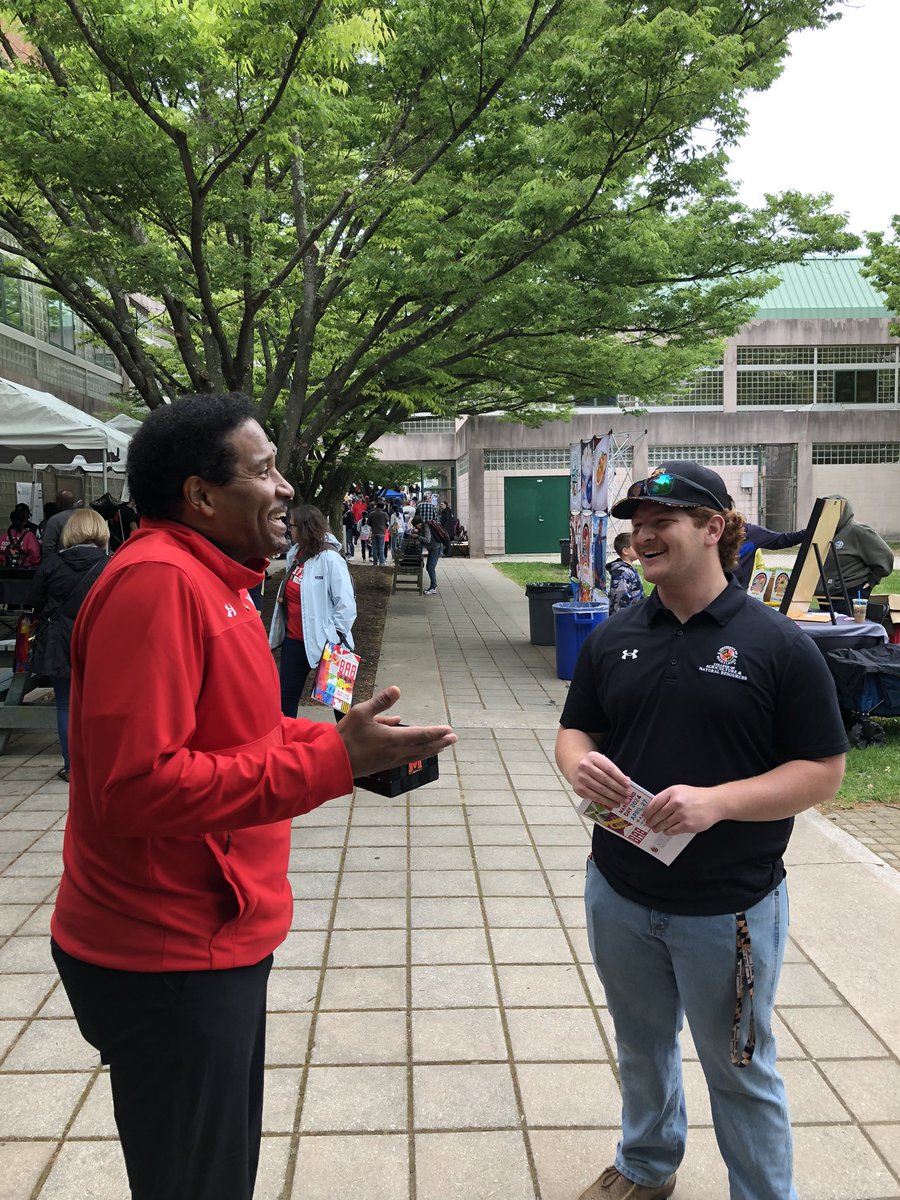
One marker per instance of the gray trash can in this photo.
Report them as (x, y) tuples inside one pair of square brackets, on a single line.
[(565, 552), (541, 598)]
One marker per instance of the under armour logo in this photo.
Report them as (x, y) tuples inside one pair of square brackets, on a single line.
[(230, 610), (629, 654)]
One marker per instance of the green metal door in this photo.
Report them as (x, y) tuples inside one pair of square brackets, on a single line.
[(536, 513)]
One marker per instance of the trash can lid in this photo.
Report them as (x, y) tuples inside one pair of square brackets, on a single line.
[(532, 588), (581, 606)]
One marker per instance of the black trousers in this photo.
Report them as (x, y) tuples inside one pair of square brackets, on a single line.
[(186, 1053)]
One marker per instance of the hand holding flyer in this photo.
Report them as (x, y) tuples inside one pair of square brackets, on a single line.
[(626, 820)]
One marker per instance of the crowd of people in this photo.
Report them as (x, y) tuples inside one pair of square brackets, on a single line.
[(401, 524)]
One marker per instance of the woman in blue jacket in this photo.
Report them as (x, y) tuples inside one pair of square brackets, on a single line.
[(315, 603)]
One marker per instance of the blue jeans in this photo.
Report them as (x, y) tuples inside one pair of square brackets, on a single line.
[(294, 671), (61, 688), (434, 553), (378, 551), (656, 968)]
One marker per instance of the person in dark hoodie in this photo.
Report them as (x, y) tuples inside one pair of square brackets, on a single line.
[(864, 557), (757, 537), (60, 585)]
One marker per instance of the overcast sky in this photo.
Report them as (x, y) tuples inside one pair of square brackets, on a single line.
[(829, 123)]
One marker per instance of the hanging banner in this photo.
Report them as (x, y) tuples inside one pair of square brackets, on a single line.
[(600, 455), (575, 477)]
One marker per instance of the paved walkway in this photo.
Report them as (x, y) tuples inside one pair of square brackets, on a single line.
[(437, 1031)]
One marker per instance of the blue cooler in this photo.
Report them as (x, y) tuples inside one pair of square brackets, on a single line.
[(573, 622)]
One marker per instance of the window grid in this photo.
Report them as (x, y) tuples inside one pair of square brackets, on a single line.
[(857, 354), (18, 355), (707, 456), (756, 356), (846, 453), (429, 425), (703, 388), (526, 460), (462, 467), (774, 388)]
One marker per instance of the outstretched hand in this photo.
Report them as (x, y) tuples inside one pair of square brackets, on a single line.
[(376, 741)]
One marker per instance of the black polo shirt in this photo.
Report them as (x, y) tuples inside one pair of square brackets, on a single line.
[(734, 692)]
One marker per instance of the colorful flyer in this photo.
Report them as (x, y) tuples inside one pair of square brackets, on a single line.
[(600, 494), (626, 821), (335, 676)]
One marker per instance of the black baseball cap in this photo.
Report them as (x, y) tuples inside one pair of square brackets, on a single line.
[(677, 484)]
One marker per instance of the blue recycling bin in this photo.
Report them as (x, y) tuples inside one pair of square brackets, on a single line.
[(573, 622)]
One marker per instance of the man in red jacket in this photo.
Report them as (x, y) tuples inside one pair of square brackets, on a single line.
[(175, 890)]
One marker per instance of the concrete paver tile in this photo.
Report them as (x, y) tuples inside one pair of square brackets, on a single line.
[(12, 916), (568, 883), (450, 858), (371, 858), (810, 1100), (52, 1046), (333, 1165), (887, 1139), (837, 1163), (364, 987), (449, 946), (428, 837), (369, 1099), (274, 1154), (443, 883), (453, 986), (567, 1160), (505, 858), (832, 1033), (301, 948), (21, 1165), (22, 995), (280, 1099), (449, 912), (869, 1087), (379, 913), (292, 989), (313, 885), (541, 986), (311, 914), (446, 814), (38, 1105), (472, 1166), (539, 945), (371, 885), (38, 924), (92, 1170), (377, 835), (360, 1037), (554, 1034), (95, 1117), (464, 1096), (321, 836), (457, 1034), (500, 835), (367, 948), (26, 891), (802, 984), (9, 1031), (23, 954), (568, 1094), (315, 858), (527, 884), (287, 1035), (525, 912), (491, 814)]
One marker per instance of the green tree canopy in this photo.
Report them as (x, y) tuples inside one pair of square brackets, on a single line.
[(354, 212), (882, 266)]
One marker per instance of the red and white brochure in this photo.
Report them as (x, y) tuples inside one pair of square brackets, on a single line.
[(626, 821)]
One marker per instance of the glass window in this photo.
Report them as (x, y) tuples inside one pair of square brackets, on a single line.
[(856, 387), (11, 302), (61, 323)]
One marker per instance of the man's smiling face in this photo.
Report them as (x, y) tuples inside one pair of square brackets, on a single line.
[(250, 509), (670, 546)]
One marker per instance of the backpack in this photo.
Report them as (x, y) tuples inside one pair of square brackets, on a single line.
[(439, 532), (13, 551)]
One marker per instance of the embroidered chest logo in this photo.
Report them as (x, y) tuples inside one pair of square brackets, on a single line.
[(725, 664), (629, 654), (230, 610)]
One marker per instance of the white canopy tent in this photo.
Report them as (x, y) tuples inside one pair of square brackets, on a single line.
[(44, 429)]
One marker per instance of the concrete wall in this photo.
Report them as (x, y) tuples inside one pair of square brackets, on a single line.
[(872, 488)]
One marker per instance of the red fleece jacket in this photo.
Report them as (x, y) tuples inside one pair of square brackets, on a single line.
[(184, 773)]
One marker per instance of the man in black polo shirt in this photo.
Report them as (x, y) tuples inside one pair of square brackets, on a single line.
[(726, 713)]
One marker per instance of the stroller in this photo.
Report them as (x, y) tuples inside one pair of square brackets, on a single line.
[(868, 683)]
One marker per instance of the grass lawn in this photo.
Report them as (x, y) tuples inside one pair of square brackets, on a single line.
[(873, 774)]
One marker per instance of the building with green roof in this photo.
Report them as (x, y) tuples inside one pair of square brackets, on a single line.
[(804, 403)]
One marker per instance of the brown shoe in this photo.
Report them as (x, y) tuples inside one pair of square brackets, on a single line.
[(612, 1185)]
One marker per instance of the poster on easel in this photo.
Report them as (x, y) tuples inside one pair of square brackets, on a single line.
[(600, 481), (590, 468), (805, 576), (575, 478)]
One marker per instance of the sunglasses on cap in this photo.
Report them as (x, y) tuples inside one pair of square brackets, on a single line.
[(664, 483)]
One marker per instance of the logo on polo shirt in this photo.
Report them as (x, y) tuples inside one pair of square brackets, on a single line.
[(629, 654), (726, 657)]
